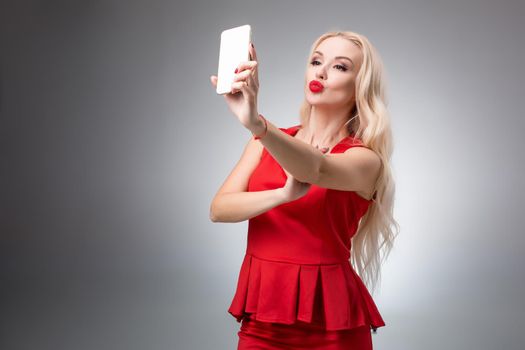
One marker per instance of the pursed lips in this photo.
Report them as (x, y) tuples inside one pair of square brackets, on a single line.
[(316, 86)]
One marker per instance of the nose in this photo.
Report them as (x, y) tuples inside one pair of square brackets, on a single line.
[(320, 73)]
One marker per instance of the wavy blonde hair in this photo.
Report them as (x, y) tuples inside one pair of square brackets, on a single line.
[(369, 121)]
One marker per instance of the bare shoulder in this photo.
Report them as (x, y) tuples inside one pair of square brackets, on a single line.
[(367, 164), (366, 157), (237, 180), (356, 169)]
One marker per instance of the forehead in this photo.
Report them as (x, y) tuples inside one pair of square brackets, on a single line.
[(337, 46)]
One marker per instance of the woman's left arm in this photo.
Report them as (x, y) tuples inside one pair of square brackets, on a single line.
[(356, 169), (300, 159)]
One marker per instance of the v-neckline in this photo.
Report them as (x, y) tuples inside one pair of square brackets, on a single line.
[(297, 127), (294, 132)]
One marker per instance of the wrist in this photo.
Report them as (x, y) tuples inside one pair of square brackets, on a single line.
[(280, 195), (260, 127)]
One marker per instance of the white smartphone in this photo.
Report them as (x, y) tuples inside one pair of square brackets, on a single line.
[(234, 49)]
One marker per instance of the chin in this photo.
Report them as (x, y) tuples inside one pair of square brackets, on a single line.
[(319, 103), (315, 99)]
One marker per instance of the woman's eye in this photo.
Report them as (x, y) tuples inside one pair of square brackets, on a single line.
[(343, 68)]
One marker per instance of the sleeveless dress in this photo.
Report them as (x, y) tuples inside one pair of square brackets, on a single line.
[(296, 287)]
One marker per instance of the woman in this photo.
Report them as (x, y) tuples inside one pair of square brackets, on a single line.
[(312, 193)]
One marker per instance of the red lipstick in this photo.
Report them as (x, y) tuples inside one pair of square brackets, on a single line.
[(316, 86)]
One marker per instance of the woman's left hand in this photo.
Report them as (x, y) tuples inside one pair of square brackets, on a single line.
[(242, 100)]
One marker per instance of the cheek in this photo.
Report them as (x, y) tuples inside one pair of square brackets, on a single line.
[(347, 83), (344, 87)]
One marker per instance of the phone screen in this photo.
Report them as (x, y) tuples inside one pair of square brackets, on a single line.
[(234, 48)]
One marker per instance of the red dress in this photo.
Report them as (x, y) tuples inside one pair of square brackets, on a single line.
[(296, 286)]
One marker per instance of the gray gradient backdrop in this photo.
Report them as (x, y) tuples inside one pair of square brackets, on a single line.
[(113, 143)]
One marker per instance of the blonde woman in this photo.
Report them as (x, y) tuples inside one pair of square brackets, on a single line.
[(319, 200)]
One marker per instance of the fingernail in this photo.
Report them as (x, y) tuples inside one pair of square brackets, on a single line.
[(236, 70)]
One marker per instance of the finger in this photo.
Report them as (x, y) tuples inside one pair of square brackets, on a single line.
[(253, 54), (250, 86), (242, 75), (213, 80), (238, 86), (249, 74), (245, 65)]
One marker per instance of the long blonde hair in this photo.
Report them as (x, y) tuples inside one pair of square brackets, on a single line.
[(369, 121)]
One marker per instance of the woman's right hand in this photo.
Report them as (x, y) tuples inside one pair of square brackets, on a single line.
[(293, 189), (246, 81)]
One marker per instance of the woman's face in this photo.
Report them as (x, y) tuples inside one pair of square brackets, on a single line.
[(336, 75)]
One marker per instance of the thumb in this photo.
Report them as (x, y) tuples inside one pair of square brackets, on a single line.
[(213, 80)]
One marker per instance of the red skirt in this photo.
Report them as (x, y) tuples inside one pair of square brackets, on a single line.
[(257, 335)]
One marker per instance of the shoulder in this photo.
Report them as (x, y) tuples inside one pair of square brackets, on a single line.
[(355, 148), (368, 159)]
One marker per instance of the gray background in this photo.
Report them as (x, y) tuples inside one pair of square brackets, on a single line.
[(113, 143)]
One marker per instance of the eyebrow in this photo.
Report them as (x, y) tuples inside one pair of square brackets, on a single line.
[(320, 53)]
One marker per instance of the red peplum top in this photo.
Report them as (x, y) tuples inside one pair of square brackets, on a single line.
[(296, 265)]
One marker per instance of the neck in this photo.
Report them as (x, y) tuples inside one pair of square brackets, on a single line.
[(326, 125)]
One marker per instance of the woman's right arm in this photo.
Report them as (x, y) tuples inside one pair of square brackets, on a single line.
[(240, 206), (233, 202)]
